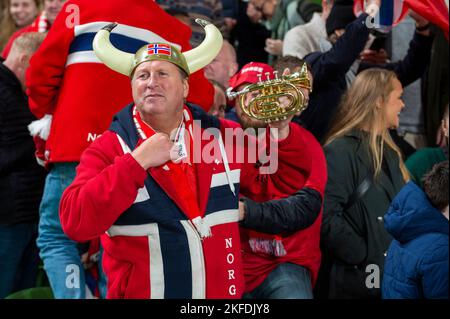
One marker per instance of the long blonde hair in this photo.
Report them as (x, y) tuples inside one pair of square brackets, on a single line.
[(7, 24), (358, 108)]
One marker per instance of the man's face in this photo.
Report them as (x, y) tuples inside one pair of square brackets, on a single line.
[(221, 68), (219, 106), (260, 9), (52, 8), (23, 12), (158, 88), (336, 35)]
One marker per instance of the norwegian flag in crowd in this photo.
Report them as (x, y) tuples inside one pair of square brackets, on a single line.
[(159, 48), (393, 11)]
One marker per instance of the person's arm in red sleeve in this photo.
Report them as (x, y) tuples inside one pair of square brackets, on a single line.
[(106, 184), (47, 66)]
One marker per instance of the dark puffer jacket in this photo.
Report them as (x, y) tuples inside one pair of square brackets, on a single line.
[(21, 178), (417, 262), (353, 237)]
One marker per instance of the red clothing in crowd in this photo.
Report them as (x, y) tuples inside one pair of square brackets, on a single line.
[(41, 24), (301, 164), (66, 79)]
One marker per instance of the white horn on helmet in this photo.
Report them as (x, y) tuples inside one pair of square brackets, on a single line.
[(115, 59), (202, 55)]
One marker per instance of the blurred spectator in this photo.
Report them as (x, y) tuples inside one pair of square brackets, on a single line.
[(365, 172), (230, 13), (278, 17), (412, 126), (250, 37), (224, 65), (180, 14), (16, 14), (335, 69), (209, 10), (307, 38), (220, 101), (21, 178), (42, 23), (436, 84), (424, 159), (417, 260)]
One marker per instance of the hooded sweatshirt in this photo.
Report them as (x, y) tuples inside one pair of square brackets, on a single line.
[(417, 264)]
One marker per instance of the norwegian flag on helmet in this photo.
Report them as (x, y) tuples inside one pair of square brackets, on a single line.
[(159, 48)]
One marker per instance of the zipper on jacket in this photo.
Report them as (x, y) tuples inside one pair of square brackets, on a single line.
[(202, 259)]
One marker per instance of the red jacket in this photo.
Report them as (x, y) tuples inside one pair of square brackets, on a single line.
[(40, 24), (66, 79), (151, 248), (302, 164)]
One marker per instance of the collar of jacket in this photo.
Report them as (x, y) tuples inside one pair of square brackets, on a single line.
[(357, 133)]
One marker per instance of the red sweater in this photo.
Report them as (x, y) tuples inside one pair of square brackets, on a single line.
[(66, 79), (40, 24), (109, 183), (302, 164)]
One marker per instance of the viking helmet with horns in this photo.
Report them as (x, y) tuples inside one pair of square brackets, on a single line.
[(190, 61)]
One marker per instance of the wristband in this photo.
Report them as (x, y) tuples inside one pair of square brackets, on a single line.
[(423, 28)]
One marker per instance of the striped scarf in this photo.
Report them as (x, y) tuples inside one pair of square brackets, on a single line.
[(41, 24)]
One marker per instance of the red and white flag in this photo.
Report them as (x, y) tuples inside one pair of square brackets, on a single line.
[(393, 11), (435, 11)]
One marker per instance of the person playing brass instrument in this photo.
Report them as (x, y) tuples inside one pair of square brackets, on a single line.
[(280, 229)]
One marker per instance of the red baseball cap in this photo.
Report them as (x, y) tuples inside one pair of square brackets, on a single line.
[(249, 74)]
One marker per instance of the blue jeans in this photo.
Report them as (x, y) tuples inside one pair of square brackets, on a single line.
[(60, 254), (102, 283), (18, 258), (286, 281)]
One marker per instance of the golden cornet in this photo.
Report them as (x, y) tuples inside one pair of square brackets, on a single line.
[(275, 99)]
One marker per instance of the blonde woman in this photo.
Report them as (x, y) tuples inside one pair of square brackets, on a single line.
[(365, 172), (17, 14)]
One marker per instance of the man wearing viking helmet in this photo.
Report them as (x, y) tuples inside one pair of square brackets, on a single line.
[(171, 228), (75, 96), (168, 219)]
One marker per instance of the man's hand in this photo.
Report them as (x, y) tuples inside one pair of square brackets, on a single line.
[(241, 211), (154, 151), (441, 136), (274, 47), (420, 23), (372, 7), (375, 57), (254, 12)]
